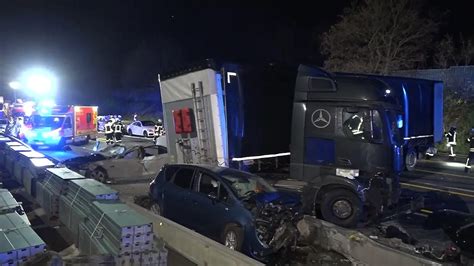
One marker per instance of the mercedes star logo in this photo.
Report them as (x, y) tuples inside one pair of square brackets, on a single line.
[(321, 118)]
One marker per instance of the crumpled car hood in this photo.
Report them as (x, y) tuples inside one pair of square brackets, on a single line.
[(283, 198)]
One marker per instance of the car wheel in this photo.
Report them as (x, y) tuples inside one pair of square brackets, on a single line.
[(341, 207), (130, 132), (99, 174), (145, 134), (156, 209), (233, 237), (410, 160)]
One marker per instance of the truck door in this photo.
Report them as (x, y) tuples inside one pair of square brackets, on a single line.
[(67, 127), (360, 142)]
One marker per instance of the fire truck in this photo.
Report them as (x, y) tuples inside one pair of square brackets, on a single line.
[(58, 126)]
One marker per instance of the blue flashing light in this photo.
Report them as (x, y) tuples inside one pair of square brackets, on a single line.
[(400, 121)]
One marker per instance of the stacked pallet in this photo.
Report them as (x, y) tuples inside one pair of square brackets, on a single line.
[(75, 205), (3, 141), (10, 154), (52, 187), (114, 228), (18, 241), (8, 204), (34, 169), (18, 161)]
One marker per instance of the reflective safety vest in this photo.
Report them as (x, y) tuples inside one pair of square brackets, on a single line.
[(471, 143), (108, 128), (451, 137), (118, 128)]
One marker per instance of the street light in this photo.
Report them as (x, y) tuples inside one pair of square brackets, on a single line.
[(40, 83)]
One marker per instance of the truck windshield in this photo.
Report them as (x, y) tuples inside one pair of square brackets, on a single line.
[(48, 121)]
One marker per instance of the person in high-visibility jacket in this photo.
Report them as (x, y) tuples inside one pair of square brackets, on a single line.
[(451, 141), (158, 130), (470, 156), (109, 132), (118, 127)]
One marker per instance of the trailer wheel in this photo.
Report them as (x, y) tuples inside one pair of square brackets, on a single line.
[(410, 160), (341, 207)]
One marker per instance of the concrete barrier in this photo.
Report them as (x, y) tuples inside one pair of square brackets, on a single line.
[(195, 247)]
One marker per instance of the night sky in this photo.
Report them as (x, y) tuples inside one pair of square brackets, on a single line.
[(95, 47)]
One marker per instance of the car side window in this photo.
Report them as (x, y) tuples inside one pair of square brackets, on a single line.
[(223, 193), (151, 151), (183, 178), (169, 172), (139, 124), (208, 185), (131, 155)]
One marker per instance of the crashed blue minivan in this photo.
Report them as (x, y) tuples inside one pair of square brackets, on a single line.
[(238, 209)]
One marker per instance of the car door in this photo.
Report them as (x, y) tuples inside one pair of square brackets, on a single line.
[(211, 205), (153, 161), (176, 198), (127, 166), (138, 128)]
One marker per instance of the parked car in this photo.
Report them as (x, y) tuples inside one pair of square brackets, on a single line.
[(117, 162), (142, 128), (238, 209)]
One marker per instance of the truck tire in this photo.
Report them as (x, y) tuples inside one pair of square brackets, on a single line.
[(411, 159), (341, 207)]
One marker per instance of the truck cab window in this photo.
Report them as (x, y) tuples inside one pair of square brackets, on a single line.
[(356, 125), (376, 126)]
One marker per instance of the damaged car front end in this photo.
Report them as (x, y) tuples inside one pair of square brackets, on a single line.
[(275, 215)]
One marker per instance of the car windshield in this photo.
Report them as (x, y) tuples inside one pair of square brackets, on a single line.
[(48, 121), (244, 184), (147, 123), (112, 150)]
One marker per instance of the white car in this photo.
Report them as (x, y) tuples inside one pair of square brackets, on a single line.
[(119, 163), (141, 128)]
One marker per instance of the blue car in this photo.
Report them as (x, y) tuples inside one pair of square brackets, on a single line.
[(238, 209)]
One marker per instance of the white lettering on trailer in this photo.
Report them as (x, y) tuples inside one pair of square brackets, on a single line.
[(230, 74)]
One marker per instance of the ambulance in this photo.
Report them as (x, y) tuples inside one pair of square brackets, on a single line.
[(59, 126)]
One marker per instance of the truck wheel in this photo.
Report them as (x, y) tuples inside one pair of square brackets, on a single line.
[(410, 160), (233, 237), (341, 207)]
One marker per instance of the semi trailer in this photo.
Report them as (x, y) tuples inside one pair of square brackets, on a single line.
[(342, 134)]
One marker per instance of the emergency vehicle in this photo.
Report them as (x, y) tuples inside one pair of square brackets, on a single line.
[(62, 125)]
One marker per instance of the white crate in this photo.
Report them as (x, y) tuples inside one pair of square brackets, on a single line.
[(8, 256), (142, 229)]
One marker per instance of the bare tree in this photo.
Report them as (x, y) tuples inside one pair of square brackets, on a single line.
[(451, 52), (375, 36)]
